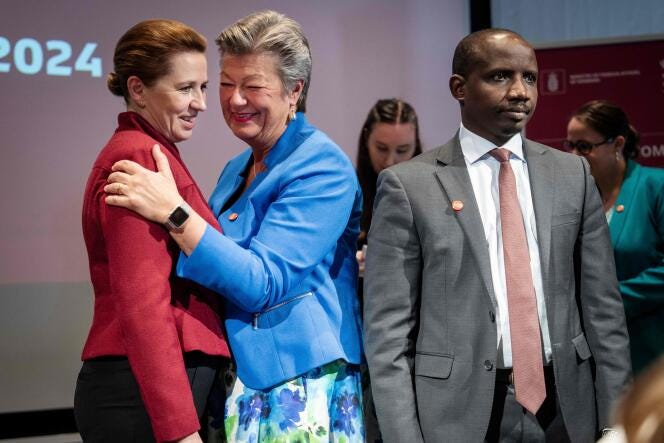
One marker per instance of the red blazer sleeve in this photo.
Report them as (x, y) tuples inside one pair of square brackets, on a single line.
[(140, 265)]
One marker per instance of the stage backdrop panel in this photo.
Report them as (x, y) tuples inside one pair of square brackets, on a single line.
[(57, 114), (629, 73)]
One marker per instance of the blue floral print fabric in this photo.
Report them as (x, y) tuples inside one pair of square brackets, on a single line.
[(323, 405)]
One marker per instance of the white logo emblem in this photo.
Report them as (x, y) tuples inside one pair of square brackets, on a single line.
[(552, 82)]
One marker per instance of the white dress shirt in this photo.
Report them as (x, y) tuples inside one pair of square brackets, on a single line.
[(483, 170)]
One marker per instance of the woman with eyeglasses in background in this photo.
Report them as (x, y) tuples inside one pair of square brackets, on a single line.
[(633, 199)]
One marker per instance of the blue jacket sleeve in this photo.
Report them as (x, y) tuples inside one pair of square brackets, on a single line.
[(300, 228)]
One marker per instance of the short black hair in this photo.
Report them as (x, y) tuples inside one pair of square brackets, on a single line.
[(465, 54)]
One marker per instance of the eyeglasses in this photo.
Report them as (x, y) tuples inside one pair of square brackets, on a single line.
[(583, 147)]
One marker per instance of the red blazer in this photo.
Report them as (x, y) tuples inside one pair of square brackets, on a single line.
[(142, 310)]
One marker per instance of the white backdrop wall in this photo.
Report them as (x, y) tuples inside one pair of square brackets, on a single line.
[(52, 127)]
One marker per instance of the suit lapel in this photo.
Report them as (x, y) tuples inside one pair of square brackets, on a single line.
[(229, 182), (541, 175), (453, 176)]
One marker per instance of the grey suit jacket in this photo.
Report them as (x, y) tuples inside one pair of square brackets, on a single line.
[(429, 317)]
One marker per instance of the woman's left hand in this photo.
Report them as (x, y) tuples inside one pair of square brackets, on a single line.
[(361, 257), (153, 195)]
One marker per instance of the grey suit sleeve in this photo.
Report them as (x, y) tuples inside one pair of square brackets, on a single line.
[(601, 305), (391, 300)]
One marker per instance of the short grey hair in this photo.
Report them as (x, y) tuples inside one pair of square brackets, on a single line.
[(273, 33)]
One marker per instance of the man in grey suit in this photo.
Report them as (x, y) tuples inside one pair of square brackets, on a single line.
[(442, 330)]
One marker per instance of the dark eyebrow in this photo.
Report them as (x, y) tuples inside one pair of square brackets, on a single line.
[(500, 70)]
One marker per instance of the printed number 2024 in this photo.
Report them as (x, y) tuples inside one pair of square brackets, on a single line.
[(29, 57)]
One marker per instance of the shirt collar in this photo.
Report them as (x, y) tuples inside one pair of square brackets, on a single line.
[(475, 148)]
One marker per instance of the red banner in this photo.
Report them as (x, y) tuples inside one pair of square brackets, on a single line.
[(630, 74)]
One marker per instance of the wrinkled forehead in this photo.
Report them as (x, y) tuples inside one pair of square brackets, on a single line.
[(504, 47)]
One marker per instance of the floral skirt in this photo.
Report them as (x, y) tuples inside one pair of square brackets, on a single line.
[(323, 405)]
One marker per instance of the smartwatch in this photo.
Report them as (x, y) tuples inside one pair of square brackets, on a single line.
[(177, 218)]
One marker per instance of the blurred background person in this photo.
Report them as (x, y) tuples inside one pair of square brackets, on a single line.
[(633, 199), (289, 207), (390, 135), (639, 416), (156, 341)]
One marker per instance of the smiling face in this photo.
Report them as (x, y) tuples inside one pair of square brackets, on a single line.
[(172, 103), (390, 144), (253, 99), (499, 94)]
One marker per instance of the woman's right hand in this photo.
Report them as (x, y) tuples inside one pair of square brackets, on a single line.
[(153, 195)]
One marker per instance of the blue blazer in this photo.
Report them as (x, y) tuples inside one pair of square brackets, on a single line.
[(285, 263), (637, 234)]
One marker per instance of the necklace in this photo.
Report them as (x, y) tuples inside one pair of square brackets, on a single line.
[(256, 171)]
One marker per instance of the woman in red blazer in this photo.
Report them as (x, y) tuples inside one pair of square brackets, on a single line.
[(156, 341)]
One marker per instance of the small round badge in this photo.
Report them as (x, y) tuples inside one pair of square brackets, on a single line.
[(233, 216), (457, 205), (620, 208)]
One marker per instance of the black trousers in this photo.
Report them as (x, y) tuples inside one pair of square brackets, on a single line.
[(511, 422), (108, 405)]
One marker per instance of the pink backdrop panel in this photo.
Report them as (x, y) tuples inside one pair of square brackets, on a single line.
[(631, 74)]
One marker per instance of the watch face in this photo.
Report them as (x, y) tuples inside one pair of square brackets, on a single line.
[(178, 217)]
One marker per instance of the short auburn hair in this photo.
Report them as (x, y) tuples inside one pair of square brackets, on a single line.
[(145, 51)]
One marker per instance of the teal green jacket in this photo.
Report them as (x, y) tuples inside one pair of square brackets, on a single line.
[(637, 234)]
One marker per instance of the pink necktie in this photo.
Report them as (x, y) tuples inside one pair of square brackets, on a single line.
[(522, 304)]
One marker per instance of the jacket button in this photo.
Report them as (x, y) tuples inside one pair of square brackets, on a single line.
[(492, 316), (488, 365)]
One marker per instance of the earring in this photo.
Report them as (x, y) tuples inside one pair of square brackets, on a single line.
[(619, 155), (292, 115)]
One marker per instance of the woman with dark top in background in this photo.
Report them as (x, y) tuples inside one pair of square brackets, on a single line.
[(390, 135)]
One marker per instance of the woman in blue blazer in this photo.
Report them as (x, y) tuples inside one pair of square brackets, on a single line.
[(289, 207), (633, 198)]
